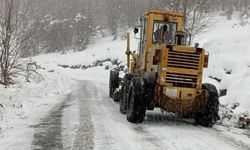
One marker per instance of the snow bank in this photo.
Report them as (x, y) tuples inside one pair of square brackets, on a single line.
[(229, 48), (100, 50), (24, 104)]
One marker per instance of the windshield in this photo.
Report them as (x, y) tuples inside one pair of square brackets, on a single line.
[(164, 32)]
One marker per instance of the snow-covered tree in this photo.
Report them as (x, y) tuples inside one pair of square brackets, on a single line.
[(113, 12), (15, 30)]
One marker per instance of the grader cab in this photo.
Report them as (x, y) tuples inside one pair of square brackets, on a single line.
[(165, 72)]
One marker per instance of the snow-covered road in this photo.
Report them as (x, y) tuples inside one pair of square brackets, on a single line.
[(68, 125), (112, 131), (91, 120)]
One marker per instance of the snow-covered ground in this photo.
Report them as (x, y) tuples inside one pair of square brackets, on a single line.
[(25, 104), (228, 45)]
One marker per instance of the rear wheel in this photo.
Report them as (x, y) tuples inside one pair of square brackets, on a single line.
[(210, 115), (124, 93), (136, 104), (113, 82), (116, 95)]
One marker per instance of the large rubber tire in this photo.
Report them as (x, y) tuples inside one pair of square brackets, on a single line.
[(124, 92), (113, 82), (116, 95), (136, 106), (209, 117)]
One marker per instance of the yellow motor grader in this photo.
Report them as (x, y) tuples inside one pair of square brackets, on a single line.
[(165, 72)]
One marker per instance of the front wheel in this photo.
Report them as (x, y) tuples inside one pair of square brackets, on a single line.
[(136, 104), (124, 92), (113, 82), (210, 115)]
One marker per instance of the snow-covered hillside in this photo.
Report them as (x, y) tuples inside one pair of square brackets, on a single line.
[(228, 44), (25, 103), (229, 64)]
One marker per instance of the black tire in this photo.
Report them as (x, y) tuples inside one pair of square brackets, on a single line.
[(116, 95), (136, 106), (113, 82), (209, 117), (124, 92)]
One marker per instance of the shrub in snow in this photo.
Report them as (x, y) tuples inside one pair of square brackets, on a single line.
[(1, 112), (64, 66), (226, 116), (29, 70), (244, 120), (108, 63), (107, 68), (223, 92), (229, 118), (235, 105)]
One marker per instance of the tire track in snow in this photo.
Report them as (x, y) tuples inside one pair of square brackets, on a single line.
[(85, 134), (116, 132), (102, 127), (49, 132), (104, 141), (147, 136)]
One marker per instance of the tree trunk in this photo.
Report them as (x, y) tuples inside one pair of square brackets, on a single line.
[(6, 78)]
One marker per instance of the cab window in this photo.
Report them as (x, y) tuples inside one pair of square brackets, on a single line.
[(164, 32), (143, 36)]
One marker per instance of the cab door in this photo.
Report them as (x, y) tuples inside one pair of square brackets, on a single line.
[(143, 39)]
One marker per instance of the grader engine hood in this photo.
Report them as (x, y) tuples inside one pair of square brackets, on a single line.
[(180, 75), (181, 67)]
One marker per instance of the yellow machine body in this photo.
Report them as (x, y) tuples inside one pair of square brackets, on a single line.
[(173, 67)]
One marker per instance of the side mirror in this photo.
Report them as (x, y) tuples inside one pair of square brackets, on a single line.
[(189, 36), (136, 30), (197, 45)]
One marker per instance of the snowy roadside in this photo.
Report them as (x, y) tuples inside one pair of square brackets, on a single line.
[(229, 69), (24, 104)]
